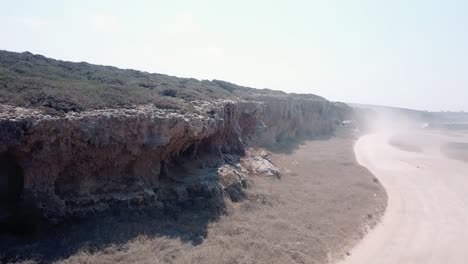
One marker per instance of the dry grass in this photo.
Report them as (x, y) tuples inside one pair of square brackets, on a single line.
[(321, 206), (313, 214)]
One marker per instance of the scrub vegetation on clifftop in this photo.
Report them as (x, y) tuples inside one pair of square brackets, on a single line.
[(30, 80)]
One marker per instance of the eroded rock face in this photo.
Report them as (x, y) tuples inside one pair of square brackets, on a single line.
[(82, 163)]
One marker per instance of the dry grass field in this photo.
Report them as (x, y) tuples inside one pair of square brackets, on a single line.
[(320, 207)]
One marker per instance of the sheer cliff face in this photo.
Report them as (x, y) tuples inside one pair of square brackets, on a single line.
[(85, 162)]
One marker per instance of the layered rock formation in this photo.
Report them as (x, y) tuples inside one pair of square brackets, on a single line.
[(77, 139), (92, 161)]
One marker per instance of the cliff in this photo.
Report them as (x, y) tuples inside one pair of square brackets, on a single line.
[(65, 158)]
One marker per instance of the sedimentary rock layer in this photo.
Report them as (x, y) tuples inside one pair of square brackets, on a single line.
[(83, 163)]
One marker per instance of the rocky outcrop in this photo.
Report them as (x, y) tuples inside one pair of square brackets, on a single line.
[(77, 164), (257, 162)]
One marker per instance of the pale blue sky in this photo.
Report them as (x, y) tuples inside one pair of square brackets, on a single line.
[(411, 53)]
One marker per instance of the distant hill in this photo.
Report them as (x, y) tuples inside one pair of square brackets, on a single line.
[(425, 116), (410, 113)]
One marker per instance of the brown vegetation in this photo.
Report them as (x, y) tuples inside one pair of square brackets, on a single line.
[(321, 206)]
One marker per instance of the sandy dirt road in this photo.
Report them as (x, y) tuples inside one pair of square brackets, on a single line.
[(427, 215)]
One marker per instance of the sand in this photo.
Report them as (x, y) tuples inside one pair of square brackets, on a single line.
[(427, 213), (456, 150)]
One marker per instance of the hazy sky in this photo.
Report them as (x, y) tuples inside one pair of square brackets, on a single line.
[(410, 53)]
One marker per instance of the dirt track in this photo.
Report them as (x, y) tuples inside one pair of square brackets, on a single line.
[(427, 211)]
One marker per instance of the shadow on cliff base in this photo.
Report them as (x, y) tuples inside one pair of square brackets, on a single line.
[(58, 242), (188, 223), (186, 220)]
